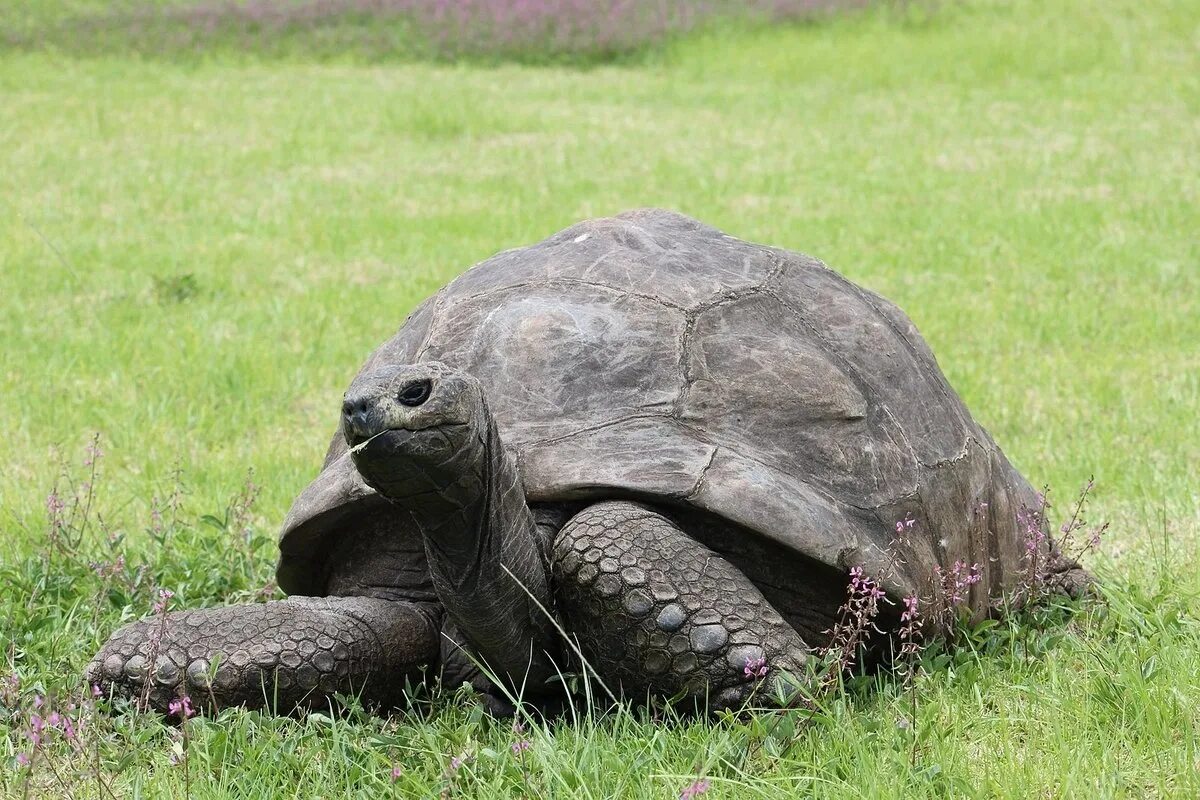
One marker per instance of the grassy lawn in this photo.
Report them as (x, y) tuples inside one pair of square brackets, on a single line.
[(197, 254)]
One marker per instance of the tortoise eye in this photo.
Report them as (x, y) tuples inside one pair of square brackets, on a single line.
[(415, 393)]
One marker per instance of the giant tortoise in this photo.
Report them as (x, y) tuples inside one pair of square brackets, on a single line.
[(642, 445)]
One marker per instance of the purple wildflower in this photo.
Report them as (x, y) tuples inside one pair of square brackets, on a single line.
[(1032, 523), (36, 726), (855, 622), (522, 743), (54, 505), (755, 667), (23, 759), (181, 707), (105, 569), (955, 581), (694, 789), (910, 619), (1078, 522), (68, 729), (94, 453), (164, 599), (397, 771)]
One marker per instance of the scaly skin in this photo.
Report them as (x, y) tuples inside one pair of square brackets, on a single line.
[(282, 655), (657, 611), (441, 463)]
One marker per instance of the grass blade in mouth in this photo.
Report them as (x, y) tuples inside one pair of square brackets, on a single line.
[(358, 447)]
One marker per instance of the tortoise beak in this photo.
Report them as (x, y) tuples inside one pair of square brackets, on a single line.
[(361, 419)]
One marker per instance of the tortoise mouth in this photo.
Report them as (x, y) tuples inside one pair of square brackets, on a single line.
[(392, 442), (400, 463)]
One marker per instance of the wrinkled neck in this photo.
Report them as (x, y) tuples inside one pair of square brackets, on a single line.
[(465, 524), (487, 562)]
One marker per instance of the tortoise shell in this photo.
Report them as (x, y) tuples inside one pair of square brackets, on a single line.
[(651, 356)]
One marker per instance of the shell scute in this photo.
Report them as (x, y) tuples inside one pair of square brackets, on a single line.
[(556, 360), (904, 380), (762, 384)]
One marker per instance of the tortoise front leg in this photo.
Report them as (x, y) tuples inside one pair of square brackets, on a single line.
[(282, 654), (656, 610)]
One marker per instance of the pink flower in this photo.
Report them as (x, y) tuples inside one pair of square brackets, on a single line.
[(54, 505), (909, 646), (23, 759), (68, 730), (755, 668), (36, 726), (94, 453), (397, 771), (694, 789), (521, 744), (955, 581), (164, 599), (181, 708)]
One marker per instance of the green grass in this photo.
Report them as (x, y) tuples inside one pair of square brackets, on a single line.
[(195, 258)]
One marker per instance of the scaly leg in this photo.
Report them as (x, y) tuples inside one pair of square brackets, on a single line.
[(656, 610), (283, 654)]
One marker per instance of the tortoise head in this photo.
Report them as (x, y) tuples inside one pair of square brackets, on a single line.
[(418, 430)]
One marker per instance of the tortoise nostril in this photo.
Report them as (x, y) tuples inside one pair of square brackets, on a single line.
[(355, 409), (415, 393)]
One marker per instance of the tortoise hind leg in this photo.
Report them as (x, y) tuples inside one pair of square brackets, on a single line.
[(656, 610), (282, 654)]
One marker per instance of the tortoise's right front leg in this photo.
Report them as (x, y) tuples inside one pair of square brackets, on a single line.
[(654, 609), (282, 654)]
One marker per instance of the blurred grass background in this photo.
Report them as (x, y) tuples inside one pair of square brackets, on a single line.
[(576, 32), (201, 238)]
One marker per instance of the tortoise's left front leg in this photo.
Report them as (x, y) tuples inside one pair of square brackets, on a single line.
[(282, 654)]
